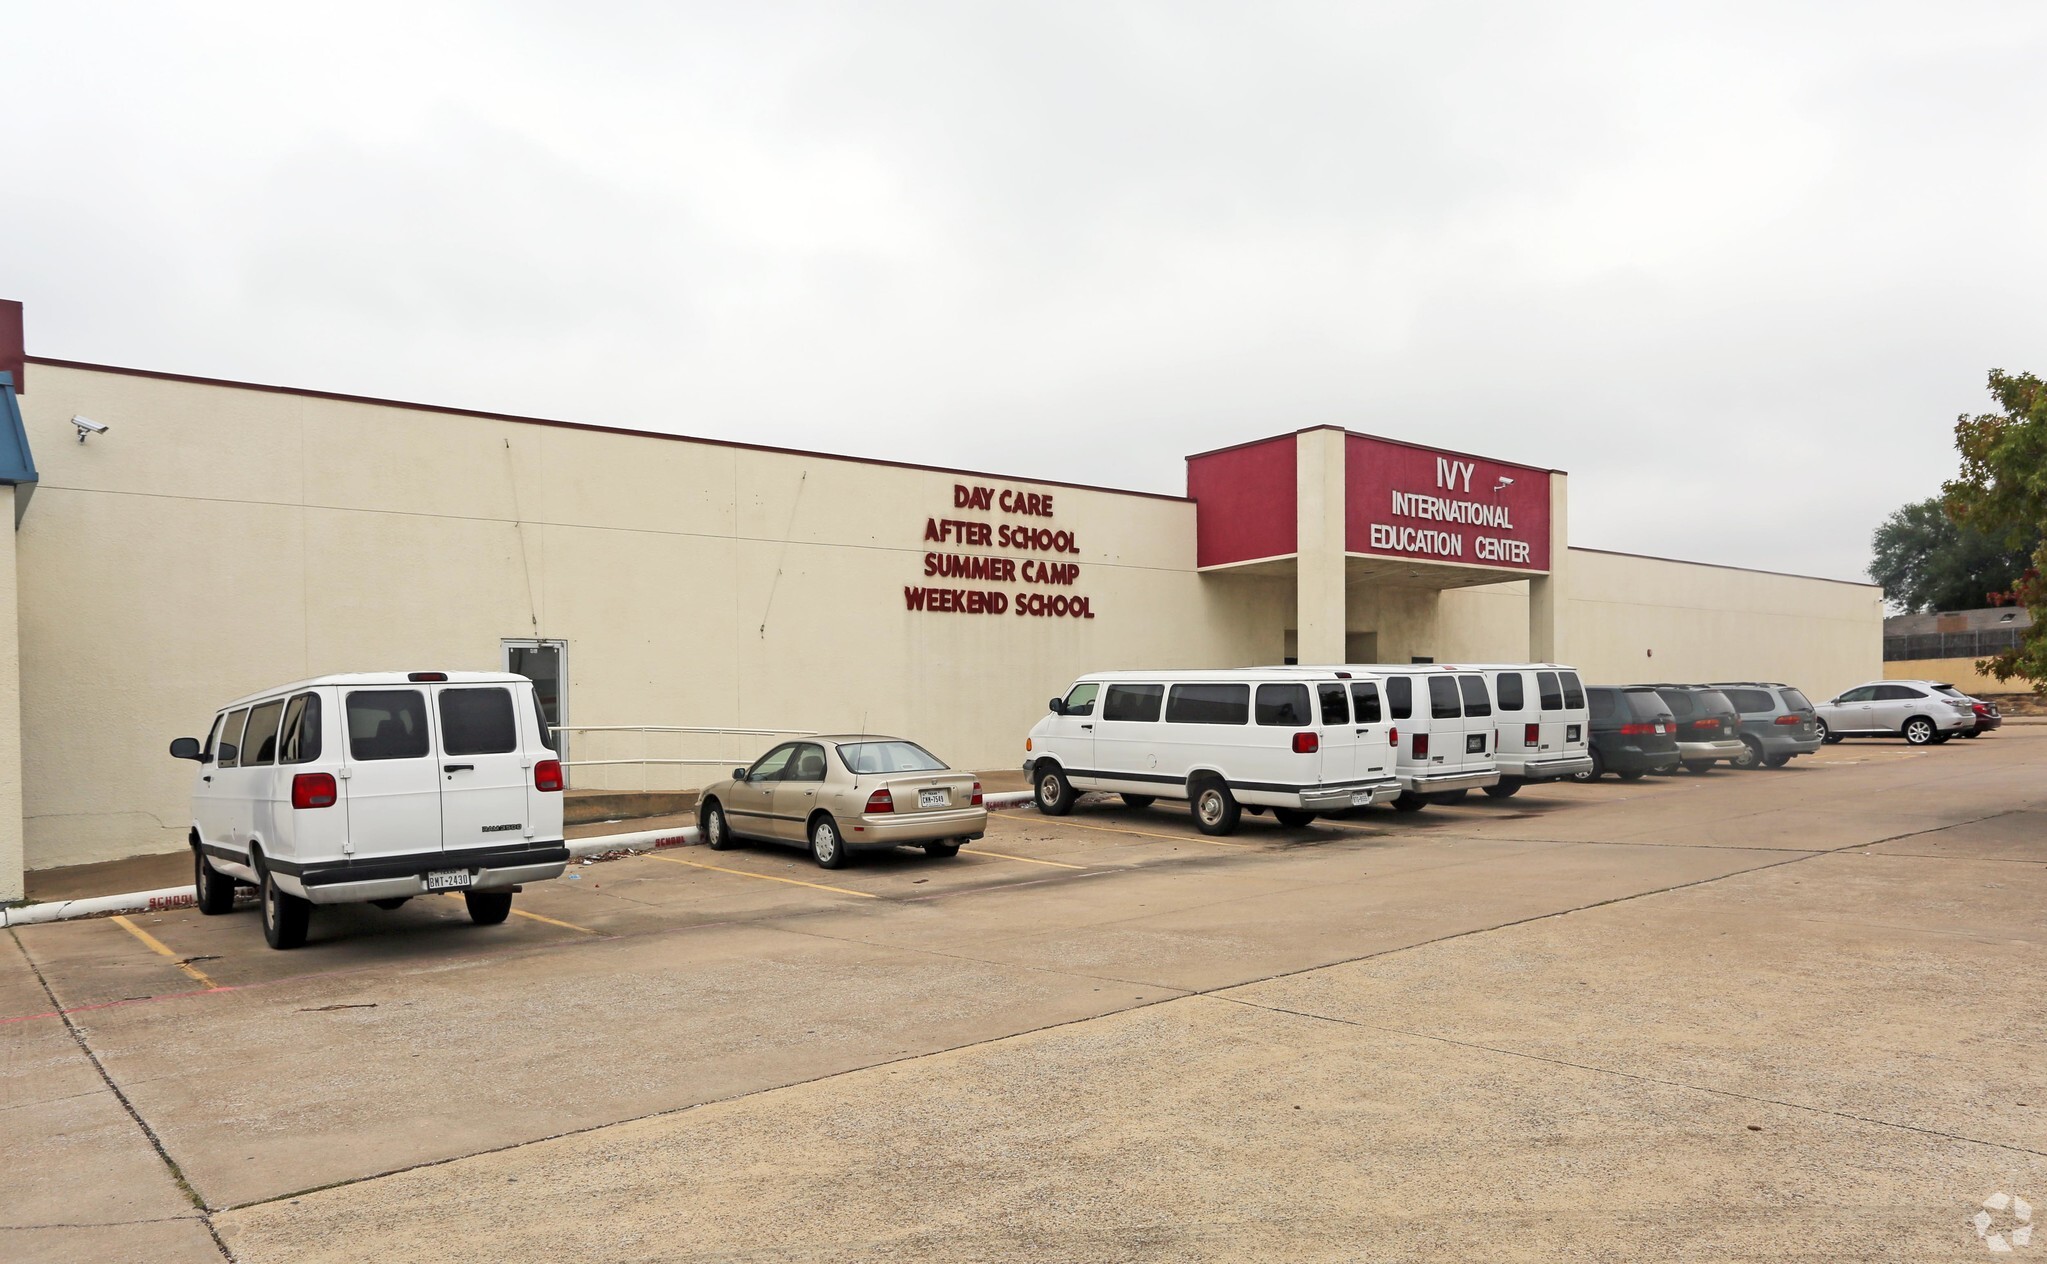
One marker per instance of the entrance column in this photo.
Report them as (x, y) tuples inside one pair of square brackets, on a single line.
[(1319, 545), (1547, 594)]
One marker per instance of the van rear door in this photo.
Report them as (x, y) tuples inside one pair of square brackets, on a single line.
[(392, 780), (483, 772), (1340, 740)]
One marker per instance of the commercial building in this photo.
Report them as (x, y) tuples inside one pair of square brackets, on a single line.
[(221, 537)]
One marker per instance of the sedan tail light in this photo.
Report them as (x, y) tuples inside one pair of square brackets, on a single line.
[(547, 775), (976, 801), (879, 802), (1981, 709), (313, 790), (1306, 743)]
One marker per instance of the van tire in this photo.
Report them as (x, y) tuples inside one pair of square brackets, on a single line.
[(827, 846), (1632, 776), (1143, 801), (1051, 790), (1293, 818), (1409, 801), (941, 851), (1751, 754), (716, 829), (1597, 770), (488, 908), (285, 916), (1215, 808), (1776, 761), (214, 890), (1505, 789)]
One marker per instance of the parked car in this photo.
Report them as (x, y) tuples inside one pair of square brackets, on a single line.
[(375, 788), (1633, 732), (1912, 709), (1778, 722), (1988, 717), (1445, 717), (1708, 725), (845, 793), (1539, 722), (1298, 741)]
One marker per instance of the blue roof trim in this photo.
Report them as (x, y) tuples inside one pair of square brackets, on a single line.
[(17, 463)]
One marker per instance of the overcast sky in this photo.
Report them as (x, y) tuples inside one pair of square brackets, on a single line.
[(1736, 270)]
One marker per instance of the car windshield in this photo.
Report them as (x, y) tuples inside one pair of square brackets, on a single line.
[(867, 758)]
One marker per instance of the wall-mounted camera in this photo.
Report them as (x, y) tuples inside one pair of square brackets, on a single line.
[(87, 426)]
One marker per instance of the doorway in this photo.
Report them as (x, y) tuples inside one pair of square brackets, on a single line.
[(545, 663)]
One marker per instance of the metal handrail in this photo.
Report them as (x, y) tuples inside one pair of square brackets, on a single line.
[(723, 761)]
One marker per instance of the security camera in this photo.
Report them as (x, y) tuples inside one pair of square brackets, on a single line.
[(87, 426), (1503, 484)]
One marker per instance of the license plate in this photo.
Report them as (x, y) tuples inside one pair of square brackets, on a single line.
[(1360, 798), (447, 879), (934, 798)]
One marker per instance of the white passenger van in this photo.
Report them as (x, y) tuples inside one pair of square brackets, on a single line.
[(1540, 721), (1445, 718), (375, 788), (1299, 741)]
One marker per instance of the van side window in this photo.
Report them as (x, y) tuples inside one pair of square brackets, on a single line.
[(1082, 700), (300, 742), (231, 739), (386, 724), (1209, 704), (1133, 702), (1365, 698), (478, 722), (1602, 704), (1509, 690), (1574, 693), (1551, 691), (212, 737), (1335, 704), (1443, 703), (1283, 704), (259, 742), (1476, 700), (1400, 696)]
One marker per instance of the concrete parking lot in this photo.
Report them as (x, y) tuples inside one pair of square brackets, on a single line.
[(1778, 1015)]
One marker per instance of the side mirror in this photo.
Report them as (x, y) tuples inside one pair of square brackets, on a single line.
[(1058, 706), (226, 751), (187, 748), (739, 774)]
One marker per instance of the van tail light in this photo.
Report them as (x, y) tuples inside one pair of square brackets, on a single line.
[(1306, 743), (427, 678), (1421, 746), (1711, 722), (1393, 737), (547, 775), (879, 802), (1531, 735), (976, 801), (313, 790), (1640, 730), (1785, 719)]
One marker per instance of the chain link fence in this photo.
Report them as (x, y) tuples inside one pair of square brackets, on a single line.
[(1981, 643)]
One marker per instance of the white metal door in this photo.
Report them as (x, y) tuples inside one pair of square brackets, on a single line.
[(546, 664), (484, 774), (392, 779)]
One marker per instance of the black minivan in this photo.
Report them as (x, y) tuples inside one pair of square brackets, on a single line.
[(1633, 732)]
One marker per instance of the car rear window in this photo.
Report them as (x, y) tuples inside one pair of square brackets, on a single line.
[(1683, 703), (386, 724), (869, 758), (1715, 702), (1477, 700), (1283, 705), (1365, 702), (1509, 691), (1752, 701), (1794, 700), (1647, 704), (1574, 693), (1443, 704), (1550, 690), (1210, 704), (1132, 702), (1400, 696), (1335, 704), (478, 722)]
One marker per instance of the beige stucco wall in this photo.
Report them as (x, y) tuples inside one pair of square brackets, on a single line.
[(10, 710), (1634, 619), (219, 540), (1959, 672)]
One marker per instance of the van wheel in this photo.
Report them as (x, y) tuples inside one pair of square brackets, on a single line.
[(488, 908), (1597, 771), (717, 834), (1751, 754), (1776, 761), (1632, 776), (1053, 792), (1215, 808), (1142, 801), (214, 889), (941, 851), (826, 847), (285, 916), (1504, 790), (1919, 730), (1293, 818), (1409, 801)]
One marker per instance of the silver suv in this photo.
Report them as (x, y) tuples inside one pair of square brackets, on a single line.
[(1915, 710), (1778, 723)]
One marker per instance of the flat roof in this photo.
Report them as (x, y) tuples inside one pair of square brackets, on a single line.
[(1722, 566), (1360, 434)]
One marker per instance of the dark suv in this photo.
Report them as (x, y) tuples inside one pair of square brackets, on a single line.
[(1778, 722), (1708, 726), (1633, 732)]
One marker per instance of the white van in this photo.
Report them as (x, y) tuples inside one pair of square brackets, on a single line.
[(1541, 724), (1299, 741), (1445, 718), (375, 788)]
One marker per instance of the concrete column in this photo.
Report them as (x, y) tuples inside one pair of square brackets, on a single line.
[(1547, 593), (11, 859), (1319, 545)]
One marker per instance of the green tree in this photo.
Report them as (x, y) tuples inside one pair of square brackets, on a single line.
[(2002, 492), (1927, 561)]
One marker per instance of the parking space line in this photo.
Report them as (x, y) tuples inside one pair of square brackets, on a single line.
[(1029, 860), (767, 877), (532, 917), (1174, 838), (156, 946)]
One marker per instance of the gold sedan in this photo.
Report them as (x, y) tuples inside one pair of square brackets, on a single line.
[(843, 794)]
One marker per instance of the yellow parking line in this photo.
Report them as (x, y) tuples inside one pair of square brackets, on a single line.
[(155, 945), (1177, 838), (532, 917), (767, 877), (1029, 860)]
